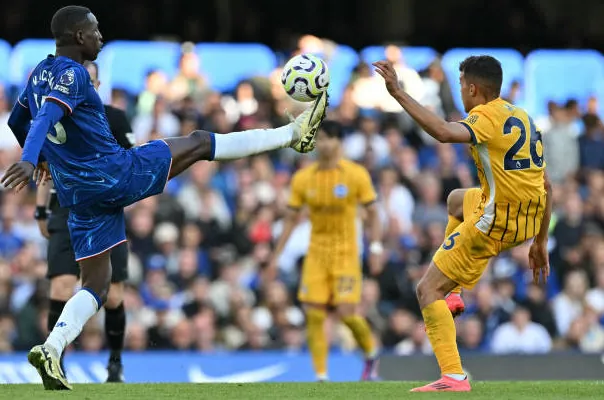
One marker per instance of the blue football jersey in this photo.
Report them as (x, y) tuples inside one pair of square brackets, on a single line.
[(85, 159)]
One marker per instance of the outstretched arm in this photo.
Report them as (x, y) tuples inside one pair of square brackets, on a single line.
[(435, 126)]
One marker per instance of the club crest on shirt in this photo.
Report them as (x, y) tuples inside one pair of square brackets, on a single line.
[(67, 78), (340, 191)]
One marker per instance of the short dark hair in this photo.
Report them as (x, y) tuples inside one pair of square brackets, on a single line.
[(66, 21), (485, 69), (333, 129)]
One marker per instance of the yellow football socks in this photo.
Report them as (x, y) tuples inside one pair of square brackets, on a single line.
[(441, 332), (451, 225), (362, 334), (317, 339)]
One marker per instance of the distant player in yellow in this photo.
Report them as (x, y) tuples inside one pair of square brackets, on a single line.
[(512, 205), (333, 189)]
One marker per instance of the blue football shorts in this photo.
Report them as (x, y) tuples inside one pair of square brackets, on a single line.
[(99, 226)]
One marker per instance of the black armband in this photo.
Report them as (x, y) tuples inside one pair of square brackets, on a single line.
[(41, 213)]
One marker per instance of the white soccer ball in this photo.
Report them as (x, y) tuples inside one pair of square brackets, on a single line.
[(305, 77)]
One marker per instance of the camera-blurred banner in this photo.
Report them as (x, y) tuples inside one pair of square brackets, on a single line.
[(156, 367), (247, 367)]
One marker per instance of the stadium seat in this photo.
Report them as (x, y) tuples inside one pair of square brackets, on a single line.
[(226, 64), (125, 64), (341, 63), (25, 56), (511, 61), (559, 75), (4, 56), (417, 58)]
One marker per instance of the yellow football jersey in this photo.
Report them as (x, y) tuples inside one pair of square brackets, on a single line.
[(508, 153), (333, 197)]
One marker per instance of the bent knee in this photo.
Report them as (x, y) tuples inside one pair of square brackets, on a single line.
[(455, 203), (433, 286)]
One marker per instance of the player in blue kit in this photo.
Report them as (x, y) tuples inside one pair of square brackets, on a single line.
[(95, 178)]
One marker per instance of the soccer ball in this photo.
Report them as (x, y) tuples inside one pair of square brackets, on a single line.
[(305, 77)]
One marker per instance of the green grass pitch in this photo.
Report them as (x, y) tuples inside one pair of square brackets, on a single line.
[(562, 390)]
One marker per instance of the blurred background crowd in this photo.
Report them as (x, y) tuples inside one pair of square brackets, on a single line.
[(198, 276)]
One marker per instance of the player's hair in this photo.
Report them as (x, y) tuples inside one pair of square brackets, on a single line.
[(333, 129), (66, 21), (485, 69)]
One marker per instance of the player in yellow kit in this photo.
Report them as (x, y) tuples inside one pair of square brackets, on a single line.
[(512, 205), (333, 189)]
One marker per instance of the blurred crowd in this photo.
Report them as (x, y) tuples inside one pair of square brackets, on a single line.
[(198, 276)]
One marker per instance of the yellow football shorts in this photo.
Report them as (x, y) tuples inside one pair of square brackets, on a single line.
[(465, 254), (330, 279)]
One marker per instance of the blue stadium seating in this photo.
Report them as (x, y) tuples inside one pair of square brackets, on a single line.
[(341, 64), (25, 56), (125, 64), (416, 57), (562, 74), (226, 64), (546, 74), (5, 50), (511, 61)]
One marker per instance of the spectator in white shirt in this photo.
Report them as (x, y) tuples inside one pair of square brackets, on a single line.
[(409, 79), (521, 335), (568, 305), (368, 138)]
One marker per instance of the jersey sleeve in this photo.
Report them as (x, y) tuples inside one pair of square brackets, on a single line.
[(22, 99), (479, 125), (70, 87), (296, 196), (366, 192)]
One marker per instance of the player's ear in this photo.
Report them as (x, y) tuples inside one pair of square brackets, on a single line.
[(79, 36), (472, 89)]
